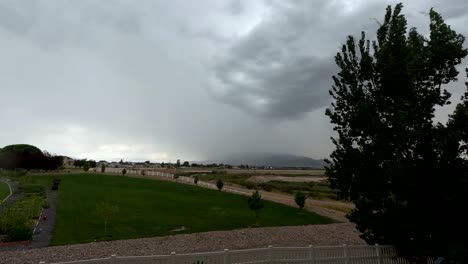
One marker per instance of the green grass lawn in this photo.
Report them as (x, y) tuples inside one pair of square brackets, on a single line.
[(4, 190), (155, 208)]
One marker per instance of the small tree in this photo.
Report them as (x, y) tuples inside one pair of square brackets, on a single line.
[(300, 199), (256, 203), (186, 164), (106, 211), (103, 168), (124, 171), (195, 179), (219, 184)]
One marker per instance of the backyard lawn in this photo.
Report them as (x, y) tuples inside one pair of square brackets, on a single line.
[(4, 190), (154, 208)]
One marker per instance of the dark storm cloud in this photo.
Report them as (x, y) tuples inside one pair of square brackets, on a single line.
[(282, 68)]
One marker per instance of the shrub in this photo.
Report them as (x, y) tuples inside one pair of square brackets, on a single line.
[(124, 171), (103, 168), (249, 185), (86, 167), (15, 224), (195, 179), (255, 203), (55, 183), (21, 232), (219, 184), (300, 199), (219, 172), (142, 172)]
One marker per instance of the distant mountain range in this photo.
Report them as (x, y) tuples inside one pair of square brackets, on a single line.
[(273, 160)]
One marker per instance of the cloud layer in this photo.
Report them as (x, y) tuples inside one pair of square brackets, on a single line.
[(168, 80)]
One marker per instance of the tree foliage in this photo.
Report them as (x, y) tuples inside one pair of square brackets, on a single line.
[(405, 173), (300, 198), (219, 184), (84, 162), (27, 157), (255, 203)]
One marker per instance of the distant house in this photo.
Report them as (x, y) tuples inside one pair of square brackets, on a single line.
[(67, 161)]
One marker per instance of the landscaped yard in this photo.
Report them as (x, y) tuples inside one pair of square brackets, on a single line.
[(4, 190), (155, 208)]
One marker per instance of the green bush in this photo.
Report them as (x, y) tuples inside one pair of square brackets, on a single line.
[(15, 224), (223, 172), (255, 203), (300, 199), (55, 183), (20, 232), (249, 185), (219, 184)]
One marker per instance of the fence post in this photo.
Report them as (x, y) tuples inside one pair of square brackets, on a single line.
[(311, 254), (113, 256), (345, 248), (270, 251), (379, 257), (173, 257), (227, 259)]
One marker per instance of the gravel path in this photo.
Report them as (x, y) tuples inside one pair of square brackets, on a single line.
[(43, 231), (317, 235), (45, 227), (15, 194)]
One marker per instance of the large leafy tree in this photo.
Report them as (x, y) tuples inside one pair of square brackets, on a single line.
[(405, 173)]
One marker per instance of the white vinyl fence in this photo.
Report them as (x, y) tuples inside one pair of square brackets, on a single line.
[(317, 255), (138, 172), (171, 176)]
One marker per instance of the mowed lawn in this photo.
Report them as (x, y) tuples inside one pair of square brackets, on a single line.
[(155, 208), (4, 190)]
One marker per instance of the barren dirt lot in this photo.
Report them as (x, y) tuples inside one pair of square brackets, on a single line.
[(312, 172), (267, 178), (292, 172)]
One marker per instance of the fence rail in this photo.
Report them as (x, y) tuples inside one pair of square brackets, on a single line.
[(316, 255)]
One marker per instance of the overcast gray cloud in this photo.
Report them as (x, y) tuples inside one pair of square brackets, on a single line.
[(163, 80)]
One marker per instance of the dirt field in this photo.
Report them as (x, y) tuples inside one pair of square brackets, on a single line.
[(280, 172), (267, 178), (292, 172)]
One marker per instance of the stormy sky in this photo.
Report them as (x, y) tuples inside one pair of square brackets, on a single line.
[(194, 80)]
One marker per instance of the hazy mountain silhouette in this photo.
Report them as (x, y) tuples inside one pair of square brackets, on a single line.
[(266, 159)]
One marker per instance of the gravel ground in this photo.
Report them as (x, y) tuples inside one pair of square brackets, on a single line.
[(318, 235), (267, 178)]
